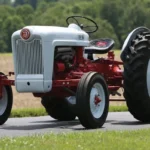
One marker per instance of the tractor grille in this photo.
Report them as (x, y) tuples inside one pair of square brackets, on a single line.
[(29, 57)]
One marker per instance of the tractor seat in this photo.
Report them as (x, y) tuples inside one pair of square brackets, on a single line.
[(100, 46)]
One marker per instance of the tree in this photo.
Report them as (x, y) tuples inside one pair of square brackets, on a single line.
[(5, 2), (112, 12), (3, 45), (5, 11), (26, 12), (105, 30), (10, 25), (18, 2), (115, 18), (33, 3)]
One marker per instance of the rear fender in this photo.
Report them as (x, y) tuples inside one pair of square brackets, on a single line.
[(132, 35)]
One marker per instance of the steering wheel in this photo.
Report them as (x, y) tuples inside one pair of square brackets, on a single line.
[(80, 21)]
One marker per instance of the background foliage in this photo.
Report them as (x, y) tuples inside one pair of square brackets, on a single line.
[(115, 18)]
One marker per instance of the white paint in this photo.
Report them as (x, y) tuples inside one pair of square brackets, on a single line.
[(97, 109), (127, 40)]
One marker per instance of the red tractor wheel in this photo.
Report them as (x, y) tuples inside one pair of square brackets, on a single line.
[(58, 108), (5, 103), (137, 77), (92, 100)]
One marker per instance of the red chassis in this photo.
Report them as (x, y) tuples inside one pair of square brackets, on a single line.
[(65, 82)]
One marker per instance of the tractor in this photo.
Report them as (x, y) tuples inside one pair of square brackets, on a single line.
[(59, 64)]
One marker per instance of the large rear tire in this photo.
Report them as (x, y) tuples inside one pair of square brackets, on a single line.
[(137, 77), (58, 108)]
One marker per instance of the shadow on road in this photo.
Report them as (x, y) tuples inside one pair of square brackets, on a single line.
[(43, 125), (73, 125), (129, 123)]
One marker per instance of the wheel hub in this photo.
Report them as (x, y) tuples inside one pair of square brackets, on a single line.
[(97, 100)]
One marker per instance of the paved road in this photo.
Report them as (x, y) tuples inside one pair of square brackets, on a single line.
[(39, 125)]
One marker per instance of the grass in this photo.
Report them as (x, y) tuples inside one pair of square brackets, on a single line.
[(33, 112), (5, 54), (92, 140), (120, 108), (28, 112)]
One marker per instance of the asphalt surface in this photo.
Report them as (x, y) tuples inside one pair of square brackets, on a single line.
[(39, 125)]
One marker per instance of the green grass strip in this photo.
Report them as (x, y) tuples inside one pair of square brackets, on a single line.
[(33, 112), (28, 112), (93, 140), (5, 54), (118, 108)]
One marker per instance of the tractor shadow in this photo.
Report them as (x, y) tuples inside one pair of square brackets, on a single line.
[(46, 124), (130, 123), (74, 125), (66, 125)]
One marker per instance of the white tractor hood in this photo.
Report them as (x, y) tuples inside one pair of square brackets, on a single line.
[(50, 33)]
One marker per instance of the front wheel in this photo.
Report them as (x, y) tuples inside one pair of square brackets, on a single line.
[(92, 100)]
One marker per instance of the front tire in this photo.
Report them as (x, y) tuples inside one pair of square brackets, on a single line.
[(137, 78), (92, 100)]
